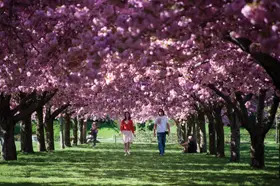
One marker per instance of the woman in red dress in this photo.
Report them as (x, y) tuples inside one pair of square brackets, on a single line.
[(127, 130)]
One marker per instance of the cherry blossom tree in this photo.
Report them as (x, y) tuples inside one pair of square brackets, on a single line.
[(102, 57)]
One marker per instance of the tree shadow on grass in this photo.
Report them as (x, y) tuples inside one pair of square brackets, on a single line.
[(34, 184), (107, 161)]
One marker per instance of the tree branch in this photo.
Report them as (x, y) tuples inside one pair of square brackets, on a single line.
[(23, 102), (272, 113), (24, 112), (243, 112), (35, 102), (58, 111), (222, 95), (268, 62), (243, 43), (248, 97), (260, 109)]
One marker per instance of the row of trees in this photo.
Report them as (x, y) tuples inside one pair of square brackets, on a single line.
[(102, 57), (194, 125)]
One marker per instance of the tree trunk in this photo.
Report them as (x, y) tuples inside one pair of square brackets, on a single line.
[(235, 138), (212, 134), (75, 132), (183, 131), (220, 132), (197, 133), (61, 133), (257, 150), (26, 134), (67, 130), (258, 125), (49, 119), (81, 126), (193, 128), (7, 126), (202, 132), (257, 133), (189, 129), (276, 130), (22, 136), (28, 104), (40, 130), (49, 135), (179, 131), (85, 132), (9, 147)]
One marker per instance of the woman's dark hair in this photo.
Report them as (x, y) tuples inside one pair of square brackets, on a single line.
[(161, 110), (129, 117)]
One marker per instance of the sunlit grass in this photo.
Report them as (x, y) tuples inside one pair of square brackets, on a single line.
[(106, 165)]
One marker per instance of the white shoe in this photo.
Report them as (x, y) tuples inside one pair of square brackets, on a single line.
[(125, 154), (128, 152)]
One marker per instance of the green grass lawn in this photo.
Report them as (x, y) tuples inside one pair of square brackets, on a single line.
[(106, 165)]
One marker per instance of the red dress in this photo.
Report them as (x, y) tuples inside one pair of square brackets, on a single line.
[(127, 130), (127, 126)]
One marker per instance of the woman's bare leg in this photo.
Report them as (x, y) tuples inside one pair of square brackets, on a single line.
[(125, 148), (128, 147)]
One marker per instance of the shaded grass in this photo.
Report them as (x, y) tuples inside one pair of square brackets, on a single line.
[(106, 165)]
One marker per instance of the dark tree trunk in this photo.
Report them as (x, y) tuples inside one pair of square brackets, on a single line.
[(257, 150), (8, 118), (258, 125), (235, 135), (259, 128), (61, 133), (49, 119), (49, 135), (183, 131), (235, 140), (7, 125), (189, 129), (212, 134), (75, 132), (192, 123), (9, 147), (67, 130), (198, 137), (40, 130), (179, 130), (257, 133), (22, 136), (220, 132), (81, 126), (26, 135), (179, 133), (202, 132), (85, 132)]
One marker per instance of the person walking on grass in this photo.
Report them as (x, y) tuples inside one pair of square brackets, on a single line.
[(127, 130), (93, 132), (160, 127)]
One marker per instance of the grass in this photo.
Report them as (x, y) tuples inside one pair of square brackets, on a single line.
[(106, 165), (107, 133)]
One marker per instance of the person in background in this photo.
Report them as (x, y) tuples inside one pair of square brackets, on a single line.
[(127, 130), (93, 132), (190, 145), (160, 127)]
